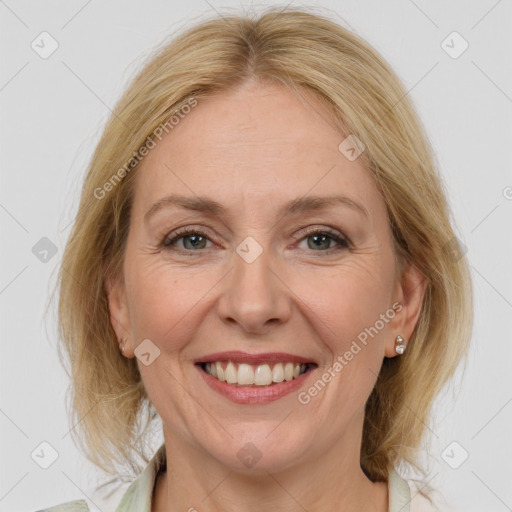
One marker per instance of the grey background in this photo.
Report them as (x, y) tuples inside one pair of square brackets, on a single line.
[(53, 110)]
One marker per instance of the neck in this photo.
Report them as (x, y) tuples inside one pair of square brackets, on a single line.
[(328, 482)]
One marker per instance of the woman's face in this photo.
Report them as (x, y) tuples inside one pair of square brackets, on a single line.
[(263, 271)]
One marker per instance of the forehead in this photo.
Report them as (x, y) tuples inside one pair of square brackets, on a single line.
[(259, 143)]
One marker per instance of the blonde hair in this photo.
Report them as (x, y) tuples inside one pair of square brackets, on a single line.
[(305, 52)]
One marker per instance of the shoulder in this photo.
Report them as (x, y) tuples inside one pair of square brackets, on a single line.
[(69, 506), (426, 499), (410, 495), (138, 495), (420, 503)]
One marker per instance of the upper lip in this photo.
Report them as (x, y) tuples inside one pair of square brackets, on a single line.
[(237, 356)]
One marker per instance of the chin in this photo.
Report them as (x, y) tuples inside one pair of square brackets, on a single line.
[(257, 455)]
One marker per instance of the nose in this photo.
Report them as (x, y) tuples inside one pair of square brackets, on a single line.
[(255, 295)]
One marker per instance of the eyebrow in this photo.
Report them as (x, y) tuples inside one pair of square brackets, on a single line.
[(214, 208)]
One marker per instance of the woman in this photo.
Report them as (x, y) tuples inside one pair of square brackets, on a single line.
[(263, 258)]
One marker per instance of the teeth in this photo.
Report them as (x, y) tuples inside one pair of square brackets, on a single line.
[(245, 374), (263, 375), (288, 371), (230, 373), (258, 375), (278, 373), (220, 371)]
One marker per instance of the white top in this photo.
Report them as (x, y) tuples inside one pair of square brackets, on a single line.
[(137, 497)]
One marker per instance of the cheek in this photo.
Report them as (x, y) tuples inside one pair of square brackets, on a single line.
[(347, 299), (163, 298), (345, 312)]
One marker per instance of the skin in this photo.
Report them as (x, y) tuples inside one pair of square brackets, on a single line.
[(252, 150)]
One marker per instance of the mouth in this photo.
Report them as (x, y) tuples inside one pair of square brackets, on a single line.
[(254, 378), (243, 374)]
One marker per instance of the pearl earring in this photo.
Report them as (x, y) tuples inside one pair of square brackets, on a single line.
[(401, 345), (121, 344)]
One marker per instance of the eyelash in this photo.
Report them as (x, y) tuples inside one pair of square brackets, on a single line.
[(342, 242)]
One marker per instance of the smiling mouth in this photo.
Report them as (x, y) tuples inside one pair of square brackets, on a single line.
[(242, 374)]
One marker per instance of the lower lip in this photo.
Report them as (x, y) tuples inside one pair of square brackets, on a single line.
[(254, 394)]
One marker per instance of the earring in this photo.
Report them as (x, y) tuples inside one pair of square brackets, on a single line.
[(401, 345), (121, 345)]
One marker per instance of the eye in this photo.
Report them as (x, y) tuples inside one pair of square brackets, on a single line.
[(196, 236), (195, 239), (321, 239)]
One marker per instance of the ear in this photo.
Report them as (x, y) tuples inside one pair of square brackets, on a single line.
[(409, 294), (119, 316)]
